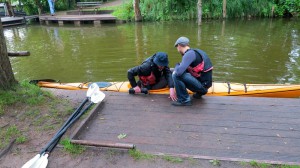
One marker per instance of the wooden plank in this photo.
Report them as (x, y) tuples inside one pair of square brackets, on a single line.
[(78, 17), (18, 53), (223, 127)]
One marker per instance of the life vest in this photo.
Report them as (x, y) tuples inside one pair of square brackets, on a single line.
[(148, 80), (200, 65)]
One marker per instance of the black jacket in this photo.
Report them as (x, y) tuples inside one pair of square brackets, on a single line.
[(146, 68)]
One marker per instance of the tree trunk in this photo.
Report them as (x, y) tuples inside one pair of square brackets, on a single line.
[(199, 7), (137, 11), (39, 6), (7, 78), (224, 9), (9, 9)]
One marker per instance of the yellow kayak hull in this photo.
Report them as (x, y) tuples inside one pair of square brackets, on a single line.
[(217, 89)]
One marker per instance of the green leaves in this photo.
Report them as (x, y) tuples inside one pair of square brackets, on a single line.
[(121, 136)]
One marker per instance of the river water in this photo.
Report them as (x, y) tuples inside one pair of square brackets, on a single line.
[(246, 51)]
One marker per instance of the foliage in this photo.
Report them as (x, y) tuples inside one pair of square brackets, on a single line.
[(255, 164), (72, 148), (168, 10), (25, 93), (286, 7), (31, 6), (157, 10), (125, 11), (215, 162), (173, 159), (12, 132), (137, 155)]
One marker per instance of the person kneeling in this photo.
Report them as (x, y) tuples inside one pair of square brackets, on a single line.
[(153, 73)]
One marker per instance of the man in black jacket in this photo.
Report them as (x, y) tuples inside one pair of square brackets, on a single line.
[(153, 73)]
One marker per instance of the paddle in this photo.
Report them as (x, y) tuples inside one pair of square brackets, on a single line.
[(90, 93), (40, 160)]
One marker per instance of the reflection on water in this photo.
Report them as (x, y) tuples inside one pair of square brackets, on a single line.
[(247, 51)]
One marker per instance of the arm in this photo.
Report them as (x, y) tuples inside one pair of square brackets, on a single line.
[(168, 75), (187, 59), (131, 73), (143, 70)]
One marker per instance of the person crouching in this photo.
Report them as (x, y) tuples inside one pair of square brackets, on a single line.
[(153, 73)]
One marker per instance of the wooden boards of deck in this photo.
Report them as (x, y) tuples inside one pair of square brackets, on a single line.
[(12, 21), (224, 128), (77, 19)]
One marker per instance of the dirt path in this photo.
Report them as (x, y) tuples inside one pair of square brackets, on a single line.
[(113, 3)]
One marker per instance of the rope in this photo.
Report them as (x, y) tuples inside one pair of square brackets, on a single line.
[(245, 86), (229, 88)]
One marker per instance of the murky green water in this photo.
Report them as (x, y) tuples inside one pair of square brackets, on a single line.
[(248, 51)]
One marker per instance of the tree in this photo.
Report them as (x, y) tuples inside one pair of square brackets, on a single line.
[(137, 11), (199, 8), (224, 9), (7, 78)]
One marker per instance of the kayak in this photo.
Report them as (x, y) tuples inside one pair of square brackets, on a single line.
[(217, 89)]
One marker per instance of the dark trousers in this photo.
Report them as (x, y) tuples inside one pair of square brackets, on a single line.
[(162, 83)]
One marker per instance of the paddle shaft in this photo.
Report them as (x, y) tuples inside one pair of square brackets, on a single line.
[(66, 123), (56, 139)]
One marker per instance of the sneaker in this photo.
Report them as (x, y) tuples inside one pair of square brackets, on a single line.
[(197, 95), (176, 103)]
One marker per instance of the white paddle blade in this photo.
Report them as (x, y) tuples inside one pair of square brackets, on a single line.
[(97, 96), (31, 162), (44, 162), (92, 88), (40, 161)]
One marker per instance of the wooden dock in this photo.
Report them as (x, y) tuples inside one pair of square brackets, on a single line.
[(77, 19), (12, 21), (15, 21), (224, 128)]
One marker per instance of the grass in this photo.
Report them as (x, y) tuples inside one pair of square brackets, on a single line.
[(27, 108), (73, 149), (7, 135), (256, 164), (173, 159), (23, 93), (215, 162), (138, 155)]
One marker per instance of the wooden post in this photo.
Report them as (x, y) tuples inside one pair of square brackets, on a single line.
[(97, 22), (18, 53), (42, 21), (60, 23), (199, 7), (77, 23), (9, 9), (104, 144)]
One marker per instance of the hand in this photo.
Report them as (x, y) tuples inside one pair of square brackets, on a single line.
[(137, 89), (173, 94)]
